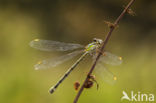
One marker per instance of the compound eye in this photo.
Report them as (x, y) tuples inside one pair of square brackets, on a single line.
[(95, 40)]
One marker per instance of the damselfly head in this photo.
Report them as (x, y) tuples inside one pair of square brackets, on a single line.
[(99, 41), (92, 77), (76, 85)]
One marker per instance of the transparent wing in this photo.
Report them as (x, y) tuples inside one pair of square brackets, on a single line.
[(110, 58), (105, 74), (48, 63), (48, 45)]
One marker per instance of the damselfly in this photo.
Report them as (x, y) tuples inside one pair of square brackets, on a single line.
[(91, 49)]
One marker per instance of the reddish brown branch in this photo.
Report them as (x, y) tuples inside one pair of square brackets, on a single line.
[(102, 48)]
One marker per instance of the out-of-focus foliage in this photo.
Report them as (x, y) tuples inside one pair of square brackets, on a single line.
[(78, 22)]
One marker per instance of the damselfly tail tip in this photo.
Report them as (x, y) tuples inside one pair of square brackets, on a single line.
[(51, 90)]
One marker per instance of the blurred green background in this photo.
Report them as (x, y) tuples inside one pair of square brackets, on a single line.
[(74, 21)]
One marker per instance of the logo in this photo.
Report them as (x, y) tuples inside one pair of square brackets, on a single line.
[(138, 96)]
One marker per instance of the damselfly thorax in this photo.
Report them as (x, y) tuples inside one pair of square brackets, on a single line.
[(94, 47)]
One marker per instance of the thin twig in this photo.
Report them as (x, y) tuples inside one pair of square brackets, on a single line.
[(102, 48)]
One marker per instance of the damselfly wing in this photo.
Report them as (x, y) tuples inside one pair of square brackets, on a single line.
[(53, 62), (102, 71), (49, 45)]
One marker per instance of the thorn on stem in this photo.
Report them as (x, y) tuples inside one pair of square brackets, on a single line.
[(110, 25), (130, 12)]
